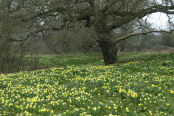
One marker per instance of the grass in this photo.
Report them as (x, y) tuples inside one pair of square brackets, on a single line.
[(79, 85), (70, 59)]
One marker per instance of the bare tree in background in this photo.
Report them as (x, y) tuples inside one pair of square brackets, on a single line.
[(101, 16), (11, 52)]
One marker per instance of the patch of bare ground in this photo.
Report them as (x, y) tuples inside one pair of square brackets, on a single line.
[(161, 49), (171, 50)]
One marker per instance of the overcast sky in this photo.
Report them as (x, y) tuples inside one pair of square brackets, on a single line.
[(159, 20)]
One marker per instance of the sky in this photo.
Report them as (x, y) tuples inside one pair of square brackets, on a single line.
[(159, 20)]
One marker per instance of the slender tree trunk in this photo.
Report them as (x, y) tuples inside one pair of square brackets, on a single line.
[(109, 50)]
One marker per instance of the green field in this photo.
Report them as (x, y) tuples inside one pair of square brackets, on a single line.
[(79, 85)]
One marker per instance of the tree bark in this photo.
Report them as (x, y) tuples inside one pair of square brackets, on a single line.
[(109, 50), (108, 47)]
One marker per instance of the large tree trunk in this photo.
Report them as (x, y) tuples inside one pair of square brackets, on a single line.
[(108, 48), (109, 51)]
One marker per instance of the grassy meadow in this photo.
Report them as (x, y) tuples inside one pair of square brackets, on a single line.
[(81, 85)]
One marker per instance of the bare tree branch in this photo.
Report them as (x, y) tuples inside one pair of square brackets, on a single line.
[(58, 9), (35, 32), (126, 16), (91, 3), (141, 33), (143, 12)]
